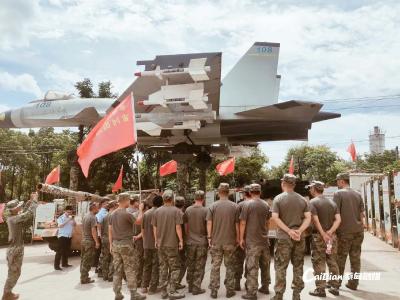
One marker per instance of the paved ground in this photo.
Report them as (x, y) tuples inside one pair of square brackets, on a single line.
[(39, 281)]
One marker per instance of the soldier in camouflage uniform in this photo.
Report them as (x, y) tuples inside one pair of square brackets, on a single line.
[(291, 213), (15, 252), (351, 230), (180, 204), (90, 242), (138, 239), (150, 257), (326, 219), (121, 229), (240, 254), (254, 219), (106, 257), (195, 219), (167, 226), (223, 237)]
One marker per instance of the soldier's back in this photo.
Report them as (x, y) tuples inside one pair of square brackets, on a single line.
[(350, 206)]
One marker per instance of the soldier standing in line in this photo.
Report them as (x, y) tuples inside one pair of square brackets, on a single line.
[(254, 219), (326, 220), (106, 257), (90, 242), (138, 239), (16, 222), (180, 204), (351, 230), (133, 204), (121, 227), (167, 227), (223, 238), (150, 257), (99, 217), (195, 219), (292, 215), (240, 254)]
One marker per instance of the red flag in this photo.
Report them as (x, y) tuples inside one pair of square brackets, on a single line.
[(54, 176), (352, 151), (226, 167), (118, 184), (168, 168), (291, 166), (115, 131)]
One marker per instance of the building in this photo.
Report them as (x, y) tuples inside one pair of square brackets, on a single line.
[(376, 141)]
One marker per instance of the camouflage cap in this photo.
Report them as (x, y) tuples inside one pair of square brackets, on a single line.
[(316, 184), (199, 195), (289, 178), (13, 204), (255, 187), (179, 201), (343, 176), (123, 197), (223, 187), (168, 195), (247, 188)]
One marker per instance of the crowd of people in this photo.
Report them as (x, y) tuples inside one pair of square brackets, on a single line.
[(153, 244)]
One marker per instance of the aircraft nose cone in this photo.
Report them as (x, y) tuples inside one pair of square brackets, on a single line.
[(5, 120)]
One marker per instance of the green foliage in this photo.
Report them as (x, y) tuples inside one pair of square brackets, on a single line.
[(247, 170), (105, 88), (311, 163), (85, 88), (377, 163)]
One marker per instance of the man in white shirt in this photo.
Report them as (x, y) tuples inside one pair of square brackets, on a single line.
[(66, 224)]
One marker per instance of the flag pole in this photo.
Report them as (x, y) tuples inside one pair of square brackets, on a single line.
[(136, 148)]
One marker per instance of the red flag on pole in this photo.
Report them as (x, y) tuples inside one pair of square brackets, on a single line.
[(226, 167), (115, 131), (291, 166), (168, 168), (54, 176), (118, 184), (352, 150)]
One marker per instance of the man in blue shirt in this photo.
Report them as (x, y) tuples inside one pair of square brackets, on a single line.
[(66, 224), (100, 217)]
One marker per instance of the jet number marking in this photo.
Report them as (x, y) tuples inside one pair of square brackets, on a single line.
[(43, 105), (264, 49)]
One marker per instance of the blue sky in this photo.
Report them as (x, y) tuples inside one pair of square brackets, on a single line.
[(346, 49)]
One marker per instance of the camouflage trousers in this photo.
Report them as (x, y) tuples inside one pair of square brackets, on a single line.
[(15, 255), (88, 253), (196, 256), (349, 244), (106, 262), (320, 259), (140, 261), (240, 256), (169, 265), (125, 260), (257, 257), (219, 253), (288, 250), (182, 259), (150, 269)]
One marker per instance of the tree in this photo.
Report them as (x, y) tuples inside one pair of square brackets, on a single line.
[(378, 162), (105, 90), (312, 163), (85, 88)]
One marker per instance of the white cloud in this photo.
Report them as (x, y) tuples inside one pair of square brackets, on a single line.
[(3, 107), (23, 82), (61, 79)]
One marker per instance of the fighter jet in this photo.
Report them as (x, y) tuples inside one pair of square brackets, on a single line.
[(182, 105)]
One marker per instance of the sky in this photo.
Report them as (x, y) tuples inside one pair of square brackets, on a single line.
[(335, 52)]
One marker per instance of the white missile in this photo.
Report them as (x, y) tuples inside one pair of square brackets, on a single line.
[(191, 93), (154, 129), (196, 69)]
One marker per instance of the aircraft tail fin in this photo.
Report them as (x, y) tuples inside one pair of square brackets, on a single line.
[(253, 81)]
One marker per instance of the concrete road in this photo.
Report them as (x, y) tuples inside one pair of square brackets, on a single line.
[(40, 282)]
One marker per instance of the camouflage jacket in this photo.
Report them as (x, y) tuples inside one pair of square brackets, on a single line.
[(16, 224)]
